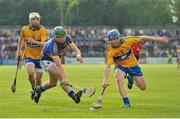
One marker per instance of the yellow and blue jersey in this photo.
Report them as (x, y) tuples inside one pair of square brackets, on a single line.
[(33, 50), (123, 55), (53, 49)]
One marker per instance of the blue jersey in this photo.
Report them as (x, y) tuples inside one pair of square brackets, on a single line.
[(53, 49)]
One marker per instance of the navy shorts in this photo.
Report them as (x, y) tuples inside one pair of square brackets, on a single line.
[(35, 62), (132, 71)]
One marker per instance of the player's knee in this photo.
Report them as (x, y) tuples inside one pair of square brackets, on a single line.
[(119, 80), (31, 73), (143, 87), (53, 83)]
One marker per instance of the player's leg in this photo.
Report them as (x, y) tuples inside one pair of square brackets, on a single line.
[(38, 76), (38, 73), (52, 83), (54, 77), (138, 77), (140, 82), (75, 96), (30, 68), (50, 67), (119, 75), (46, 85), (130, 77)]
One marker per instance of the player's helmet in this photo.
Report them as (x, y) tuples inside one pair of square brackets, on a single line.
[(113, 34), (59, 31), (33, 15)]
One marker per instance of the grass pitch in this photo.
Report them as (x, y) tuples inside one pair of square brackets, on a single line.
[(161, 99)]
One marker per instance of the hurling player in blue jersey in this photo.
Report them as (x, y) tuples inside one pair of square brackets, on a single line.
[(51, 62)]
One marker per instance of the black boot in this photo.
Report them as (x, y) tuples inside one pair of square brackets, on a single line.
[(130, 82), (37, 94), (32, 94), (77, 97)]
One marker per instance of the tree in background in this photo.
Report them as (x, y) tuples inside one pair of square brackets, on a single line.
[(92, 12), (174, 11)]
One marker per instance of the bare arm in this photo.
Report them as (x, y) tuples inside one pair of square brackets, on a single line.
[(106, 74), (20, 44), (57, 61), (78, 53), (152, 38), (35, 42)]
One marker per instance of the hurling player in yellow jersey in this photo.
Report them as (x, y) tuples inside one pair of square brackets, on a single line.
[(33, 36), (119, 52)]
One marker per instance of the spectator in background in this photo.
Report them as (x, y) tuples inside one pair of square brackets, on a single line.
[(170, 56), (178, 61)]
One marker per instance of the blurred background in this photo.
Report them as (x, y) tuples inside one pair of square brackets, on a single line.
[(87, 22)]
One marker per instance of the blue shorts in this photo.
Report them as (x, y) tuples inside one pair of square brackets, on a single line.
[(35, 62), (132, 71)]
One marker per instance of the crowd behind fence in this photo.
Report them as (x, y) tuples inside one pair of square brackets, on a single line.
[(92, 40)]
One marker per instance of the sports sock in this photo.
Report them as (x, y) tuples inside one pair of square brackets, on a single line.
[(71, 93), (40, 89), (126, 101)]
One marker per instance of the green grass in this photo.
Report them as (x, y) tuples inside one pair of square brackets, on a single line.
[(161, 99)]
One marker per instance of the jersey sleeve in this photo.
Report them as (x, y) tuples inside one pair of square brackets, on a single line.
[(70, 41), (54, 51), (131, 40)]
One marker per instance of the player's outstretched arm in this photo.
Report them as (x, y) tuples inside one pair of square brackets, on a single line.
[(106, 74), (78, 53), (163, 39)]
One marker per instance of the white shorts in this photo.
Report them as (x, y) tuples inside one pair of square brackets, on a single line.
[(46, 64)]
